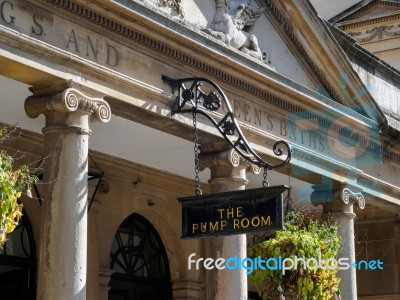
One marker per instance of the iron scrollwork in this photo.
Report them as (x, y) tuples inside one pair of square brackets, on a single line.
[(192, 92)]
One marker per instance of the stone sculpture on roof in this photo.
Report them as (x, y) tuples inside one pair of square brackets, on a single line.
[(174, 4), (231, 23)]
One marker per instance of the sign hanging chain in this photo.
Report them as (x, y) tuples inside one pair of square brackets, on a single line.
[(265, 182), (198, 190), (288, 202)]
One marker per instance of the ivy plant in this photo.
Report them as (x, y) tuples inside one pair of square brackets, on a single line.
[(307, 240), (13, 182)]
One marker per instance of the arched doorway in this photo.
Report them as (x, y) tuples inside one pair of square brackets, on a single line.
[(140, 263), (18, 264)]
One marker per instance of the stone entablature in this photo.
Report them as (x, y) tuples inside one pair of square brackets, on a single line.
[(95, 47), (272, 9), (376, 33), (371, 13), (375, 26), (88, 45), (108, 55)]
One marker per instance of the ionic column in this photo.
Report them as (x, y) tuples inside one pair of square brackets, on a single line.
[(338, 205), (228, 173), (63, 233)]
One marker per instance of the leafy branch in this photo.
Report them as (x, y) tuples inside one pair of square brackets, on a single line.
[(13, 182), (301, 239)]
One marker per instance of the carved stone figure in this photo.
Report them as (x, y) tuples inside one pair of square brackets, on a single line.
[(230, 26), (174, 4)]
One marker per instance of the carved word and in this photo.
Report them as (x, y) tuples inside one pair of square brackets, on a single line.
[(86, 45)]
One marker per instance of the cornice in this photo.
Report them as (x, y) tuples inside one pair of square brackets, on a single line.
[(171, 53), (346, 20), (367, 7), (189, 60), (376, 32), (360, 11), (183, 58), (289, 32), (349, 44), (372, 21), (325, 53)]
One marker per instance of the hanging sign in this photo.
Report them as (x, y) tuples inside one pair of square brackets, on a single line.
[(233, 212)]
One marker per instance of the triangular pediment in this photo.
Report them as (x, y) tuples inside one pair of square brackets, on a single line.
[(287, 37), (370, 11), (375, 26)]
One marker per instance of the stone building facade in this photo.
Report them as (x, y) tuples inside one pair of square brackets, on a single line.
[(375, 26), (84, 82)]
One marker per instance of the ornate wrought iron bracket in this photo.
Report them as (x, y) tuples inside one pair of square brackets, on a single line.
[(199, 95)]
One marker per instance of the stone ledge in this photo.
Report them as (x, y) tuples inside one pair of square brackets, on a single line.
[(380, 297)]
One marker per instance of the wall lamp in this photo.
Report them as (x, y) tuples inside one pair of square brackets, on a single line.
[(95, 178)]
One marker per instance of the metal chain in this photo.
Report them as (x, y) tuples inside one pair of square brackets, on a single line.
[(288, 203), (265, 182), (198, 190)]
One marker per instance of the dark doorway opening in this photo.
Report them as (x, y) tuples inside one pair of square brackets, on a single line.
[(18, 264)]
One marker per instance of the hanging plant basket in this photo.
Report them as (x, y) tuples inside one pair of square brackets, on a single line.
[(13, 182), (312, 240)]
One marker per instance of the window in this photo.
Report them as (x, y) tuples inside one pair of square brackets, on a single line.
[(140, 262)]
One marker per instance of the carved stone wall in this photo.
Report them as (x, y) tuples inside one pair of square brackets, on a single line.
[(153, 197), (376, 27), (376, 237)]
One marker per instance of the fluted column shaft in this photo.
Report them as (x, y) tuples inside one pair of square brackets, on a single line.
[(63, 233)]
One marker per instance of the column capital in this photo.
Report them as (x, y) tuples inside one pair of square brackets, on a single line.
[(67, 97), (349, 197), (228, 158), (326, 195)]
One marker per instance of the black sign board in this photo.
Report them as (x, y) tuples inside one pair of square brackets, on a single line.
[(232, 213)]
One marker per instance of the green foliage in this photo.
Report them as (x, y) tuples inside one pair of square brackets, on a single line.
[(312, 240), (12, 183)]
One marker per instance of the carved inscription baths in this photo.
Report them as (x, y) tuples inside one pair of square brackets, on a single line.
[(75, 43), (278, 124)]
